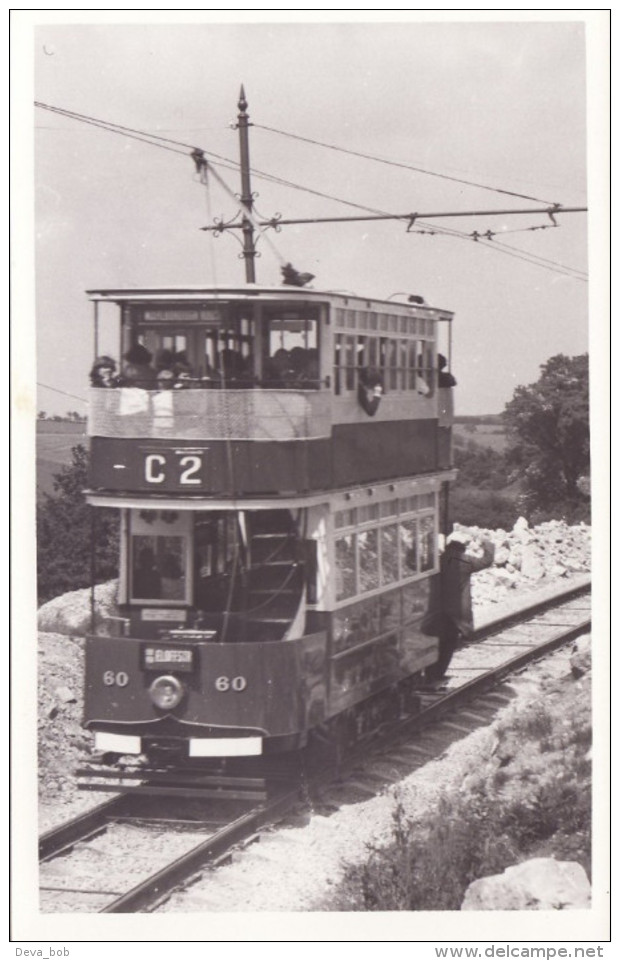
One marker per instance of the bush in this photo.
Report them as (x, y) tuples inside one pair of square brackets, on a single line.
[(479, 508), (74, 539), (534, 801)]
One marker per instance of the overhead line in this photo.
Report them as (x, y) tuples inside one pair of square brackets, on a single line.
[(394, 163), (152, 140), (58, 391)]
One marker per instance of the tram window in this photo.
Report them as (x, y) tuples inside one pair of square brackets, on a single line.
[(394, 364), (367, 512), (158, 568), (427, 543), (345, 567), (372, 350), (412, 361), (350, 363), (389, 554), (362, 353), (368, 553), (291, 350), (337, 362), (408, 539)]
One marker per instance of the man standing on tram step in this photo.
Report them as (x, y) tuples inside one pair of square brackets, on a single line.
[(455, 623)]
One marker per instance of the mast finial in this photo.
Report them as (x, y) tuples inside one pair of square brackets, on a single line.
[(243, 104)]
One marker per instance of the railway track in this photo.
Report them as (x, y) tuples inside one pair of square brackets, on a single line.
[(169, 842), (87, 864)]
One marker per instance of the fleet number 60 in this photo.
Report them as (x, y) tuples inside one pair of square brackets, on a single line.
[(224, 683)]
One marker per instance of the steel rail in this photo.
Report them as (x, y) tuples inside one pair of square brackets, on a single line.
[(488, 679), (156, 887), (87, 825), (536, 606)]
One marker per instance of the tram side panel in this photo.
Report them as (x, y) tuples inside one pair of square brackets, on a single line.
[(272, 689), (377, 642)]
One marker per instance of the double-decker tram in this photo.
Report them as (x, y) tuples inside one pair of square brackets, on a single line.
[(280, 458)]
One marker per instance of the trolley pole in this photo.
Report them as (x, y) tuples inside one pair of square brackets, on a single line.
[(249, 251)]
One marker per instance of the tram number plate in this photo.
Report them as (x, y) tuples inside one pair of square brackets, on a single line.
[(167, 658)]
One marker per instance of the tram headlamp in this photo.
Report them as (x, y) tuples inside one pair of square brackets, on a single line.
[(166, 692)]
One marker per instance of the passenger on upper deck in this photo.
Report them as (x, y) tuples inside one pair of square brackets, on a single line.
[(369, 390), (103, 372), (211, 376), (138, 372), (164, 360), (280, 371), (444, 377), (166, 379)]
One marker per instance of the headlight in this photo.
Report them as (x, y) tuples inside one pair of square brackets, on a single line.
[(166, 692)]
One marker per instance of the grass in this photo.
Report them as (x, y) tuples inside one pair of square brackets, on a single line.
[(532, 799)]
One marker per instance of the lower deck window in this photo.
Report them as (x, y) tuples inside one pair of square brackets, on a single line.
[(387, 552), (158, 557), (158, 569)]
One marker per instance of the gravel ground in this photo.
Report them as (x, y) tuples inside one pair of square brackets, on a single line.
[(307, 866), (298, 868)]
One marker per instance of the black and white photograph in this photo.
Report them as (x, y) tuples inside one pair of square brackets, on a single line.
[(310, 456)]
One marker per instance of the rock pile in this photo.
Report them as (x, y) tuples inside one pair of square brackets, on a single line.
[(527, 556)]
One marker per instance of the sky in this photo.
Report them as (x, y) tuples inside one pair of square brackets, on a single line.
[(499, 104)]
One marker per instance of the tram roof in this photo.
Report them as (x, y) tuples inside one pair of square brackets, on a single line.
[(281, 292)]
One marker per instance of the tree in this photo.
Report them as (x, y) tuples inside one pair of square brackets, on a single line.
[(549, 437), (71, 535)]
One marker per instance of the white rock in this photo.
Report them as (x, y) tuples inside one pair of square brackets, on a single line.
[(532, 565), (71, 613), (501, 556), (541, 884)]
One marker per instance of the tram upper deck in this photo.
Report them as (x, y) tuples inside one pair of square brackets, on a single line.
[(258, 390)]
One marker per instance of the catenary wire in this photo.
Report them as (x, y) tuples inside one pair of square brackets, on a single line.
[(58, 391), (164, 142), (404, 166)]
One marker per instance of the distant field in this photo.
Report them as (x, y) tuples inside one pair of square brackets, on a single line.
[(487, 435)]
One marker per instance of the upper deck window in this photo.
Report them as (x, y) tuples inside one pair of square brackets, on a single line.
[(401, 348), (290, 348), (229, 344)]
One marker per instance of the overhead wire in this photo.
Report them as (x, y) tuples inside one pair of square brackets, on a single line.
[(58, 391), (168, 143), (404, 166), (515, 252)]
